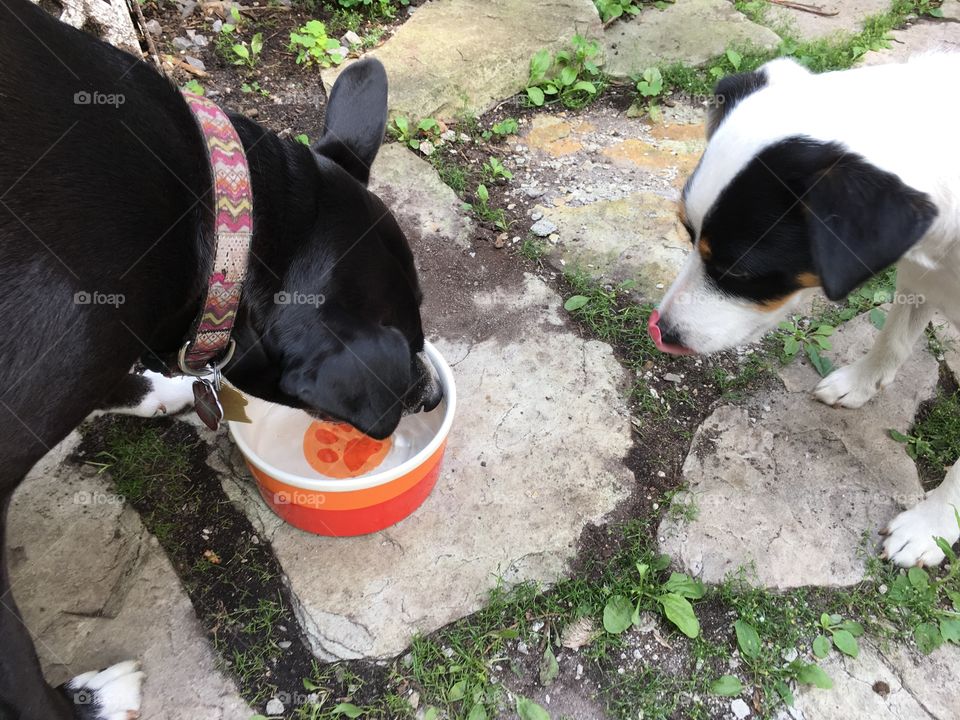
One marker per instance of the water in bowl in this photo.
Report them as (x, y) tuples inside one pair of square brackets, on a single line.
[(279, 433)]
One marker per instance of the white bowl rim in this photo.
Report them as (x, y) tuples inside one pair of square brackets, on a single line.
[(376, 479)]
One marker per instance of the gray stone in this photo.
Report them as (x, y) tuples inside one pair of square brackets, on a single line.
[(543, 228), (920, 688), (740, 709), (636, 238), (95, 588), (849, 17), (153, 27), (455, 56), (616, 211), (790, 495), (921, 35), (351, 38), (692, 32), (413, 190), (275, 707)]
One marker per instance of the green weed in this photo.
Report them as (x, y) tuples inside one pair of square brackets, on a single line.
[(313, 47), (570, 77), (507, 126)]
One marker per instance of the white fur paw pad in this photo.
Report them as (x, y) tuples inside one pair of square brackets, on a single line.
[(848, 387), (111, 694), (911, 535)]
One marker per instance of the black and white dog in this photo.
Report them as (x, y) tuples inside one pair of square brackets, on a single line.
[(823, 181), (105, 248)]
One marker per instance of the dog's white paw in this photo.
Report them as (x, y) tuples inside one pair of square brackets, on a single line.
[(111, 694), (167, 396), (910, 536), (850, 386)]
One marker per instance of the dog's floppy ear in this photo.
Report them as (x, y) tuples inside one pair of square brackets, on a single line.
[(360, 377), (730, 91), (356, 118), (861, 219)]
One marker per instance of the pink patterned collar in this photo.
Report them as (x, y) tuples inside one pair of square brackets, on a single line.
[(210, 346)]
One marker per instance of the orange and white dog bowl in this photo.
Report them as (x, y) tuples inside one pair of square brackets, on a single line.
[(329, 479)]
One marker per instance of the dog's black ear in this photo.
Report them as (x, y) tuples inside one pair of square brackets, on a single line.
[(861, 220), (360, 377), (356, 118), (730, 91)]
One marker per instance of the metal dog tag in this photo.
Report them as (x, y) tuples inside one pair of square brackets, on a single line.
[(207, 404)]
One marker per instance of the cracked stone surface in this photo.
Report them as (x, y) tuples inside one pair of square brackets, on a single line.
[(532, 394), (920, 687), (609, 184), (849, 16), (787, 473), (922, 35), (453, 56), (692, 32), (95, 588)]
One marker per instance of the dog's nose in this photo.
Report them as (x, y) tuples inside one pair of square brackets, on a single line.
[(428, 392), (669, 335)]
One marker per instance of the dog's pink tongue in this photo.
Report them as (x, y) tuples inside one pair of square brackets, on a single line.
[(654, 329)]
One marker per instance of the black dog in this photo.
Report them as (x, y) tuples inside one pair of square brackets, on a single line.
[(105, 234)]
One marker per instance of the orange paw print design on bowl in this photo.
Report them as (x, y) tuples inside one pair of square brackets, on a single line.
[(339, 450)]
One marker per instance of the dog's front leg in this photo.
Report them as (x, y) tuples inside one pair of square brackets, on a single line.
[(853, 385), (149, 394), (911, 536)]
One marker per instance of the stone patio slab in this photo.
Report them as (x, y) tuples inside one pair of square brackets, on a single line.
[(848, 18), (884, 684), (463, 56), (95, 588), (607, 185), (922, 35), (635, 238), (691, 32), (787, 487)]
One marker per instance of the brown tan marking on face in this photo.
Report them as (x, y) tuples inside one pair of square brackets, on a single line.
[(808, 280), (775, 303), (703, 247)]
